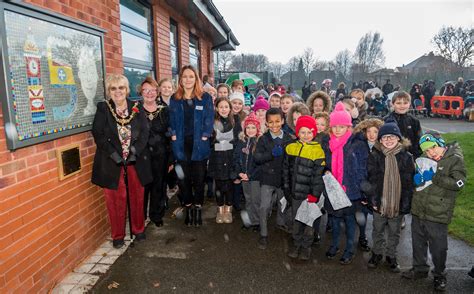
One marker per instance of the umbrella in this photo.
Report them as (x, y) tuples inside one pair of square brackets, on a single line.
[(247, 78)]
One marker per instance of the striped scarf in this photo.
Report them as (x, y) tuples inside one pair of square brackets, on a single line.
[(391, 183)]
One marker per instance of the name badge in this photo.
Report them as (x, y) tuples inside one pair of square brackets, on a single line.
[(199, 107)]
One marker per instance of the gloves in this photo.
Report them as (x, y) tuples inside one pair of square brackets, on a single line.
[(312, 198), (117, 158), (418, 179), (428, 175), (277, 150)]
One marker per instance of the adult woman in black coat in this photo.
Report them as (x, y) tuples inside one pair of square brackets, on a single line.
[(156, 111), (121, 160)]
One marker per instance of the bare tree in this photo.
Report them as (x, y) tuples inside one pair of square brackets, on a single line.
[(320, 65), (369, 53), (224, 60), (455, 44), (308, 60), (292, 64), (343, 63), (250, 62), (277, 68)]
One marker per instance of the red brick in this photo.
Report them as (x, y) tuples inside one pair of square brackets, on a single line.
[(7, 181), (12, 167), (36, 158)]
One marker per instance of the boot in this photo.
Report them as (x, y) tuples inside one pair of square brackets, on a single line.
[(197, 216), (374, 260), (189, 219), (220, 215), (227, 214)]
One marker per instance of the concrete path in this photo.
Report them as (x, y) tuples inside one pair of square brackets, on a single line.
[(223, 258)]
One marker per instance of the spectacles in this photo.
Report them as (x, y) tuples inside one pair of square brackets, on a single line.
[(388, 137), (148, 91), (121, 88)]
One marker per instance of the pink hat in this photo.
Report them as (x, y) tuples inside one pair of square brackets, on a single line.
[(340, 117), (251, 119), (261, 103)]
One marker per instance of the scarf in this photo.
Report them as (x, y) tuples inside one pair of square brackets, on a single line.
[(391, 183), (336, 145)]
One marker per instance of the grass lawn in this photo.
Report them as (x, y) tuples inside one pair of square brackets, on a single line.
[(462, 225)]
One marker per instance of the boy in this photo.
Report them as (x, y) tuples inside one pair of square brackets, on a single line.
[(275, 100), (269, 157), (302, 180), (432, 207), (390, 174), (409, 125)]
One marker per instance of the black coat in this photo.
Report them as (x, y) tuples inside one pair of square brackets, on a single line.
[(270, 166), (376, 172), (105, 171), (303, 169), (410, 128), (159, 142), (221, 162), (244, 161)]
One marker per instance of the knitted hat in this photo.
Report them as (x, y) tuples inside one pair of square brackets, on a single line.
[(238, 96), (261, 103), (339, 116), (389, 128), (430, 140), (308, 122), (276, 93), (251, 119)]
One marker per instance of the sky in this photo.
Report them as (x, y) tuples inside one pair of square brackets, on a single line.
[(283, 29)]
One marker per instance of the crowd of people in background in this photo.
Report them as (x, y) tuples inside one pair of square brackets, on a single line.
[(272, 147)]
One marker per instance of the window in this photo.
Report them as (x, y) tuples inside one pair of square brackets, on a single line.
[(174, 48), (194, 51), (137, 42)]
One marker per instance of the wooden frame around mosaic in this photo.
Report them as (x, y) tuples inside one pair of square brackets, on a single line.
[(12, 120)]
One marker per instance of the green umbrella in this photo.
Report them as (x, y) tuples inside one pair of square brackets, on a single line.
[(247, 78)]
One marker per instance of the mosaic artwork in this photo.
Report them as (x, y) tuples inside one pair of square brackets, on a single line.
[(56, 75)]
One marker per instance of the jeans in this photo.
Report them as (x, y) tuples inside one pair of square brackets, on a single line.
[(350, 223)]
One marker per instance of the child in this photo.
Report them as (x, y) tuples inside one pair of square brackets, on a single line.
[(358, 97), (275, 100), (377, 106), (350, 107), (237, 86), (409, 125), (322, 123), (223, 91), (303, 166), (237, 101), (319, 101), (432, 207), (245, 170), (165, 88), (368, 131), (348, 162), (220, 160), (390, 174), (297, 109), (269, 157), (286, 102), (260, 108)]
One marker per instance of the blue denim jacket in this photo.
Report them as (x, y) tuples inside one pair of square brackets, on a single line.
[(203, 126)]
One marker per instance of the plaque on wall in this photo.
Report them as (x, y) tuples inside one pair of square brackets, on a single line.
[(54, 75), (69, 160)]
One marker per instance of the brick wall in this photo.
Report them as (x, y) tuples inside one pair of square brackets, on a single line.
[(46, 226)]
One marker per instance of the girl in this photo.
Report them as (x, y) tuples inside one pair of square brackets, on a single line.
[(286, 102), (367, 131), (350, 107), (237, 102), (319, 101), (191, 125), (159, 146), (165, 87), (260, 108), (246, 170), (223, 91), (348, 163), (274, 100), (220, 162), (390, 169), (358, 97), (297, 109)]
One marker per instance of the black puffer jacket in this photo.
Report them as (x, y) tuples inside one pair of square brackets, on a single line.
[(220, 162), (270, 166), (303, 169), (376, 172), (244, 159), (410, 128)]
